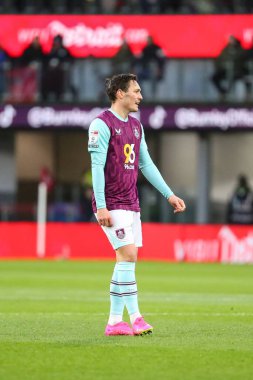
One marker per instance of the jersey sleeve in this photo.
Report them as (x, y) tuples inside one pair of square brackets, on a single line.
[(99, 136), (150, 171), (98, 160)]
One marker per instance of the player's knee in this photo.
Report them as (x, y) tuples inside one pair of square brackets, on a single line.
[(127, 253)]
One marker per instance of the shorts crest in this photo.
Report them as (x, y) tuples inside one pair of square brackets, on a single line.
[(120, 233)]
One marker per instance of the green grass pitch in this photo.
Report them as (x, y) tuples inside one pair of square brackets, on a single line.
[(53, 315)]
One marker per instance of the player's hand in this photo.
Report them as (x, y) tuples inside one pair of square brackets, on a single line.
[(104, 217), (177, 203)]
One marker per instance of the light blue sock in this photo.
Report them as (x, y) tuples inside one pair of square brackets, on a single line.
[(117, 302), (127, 285)]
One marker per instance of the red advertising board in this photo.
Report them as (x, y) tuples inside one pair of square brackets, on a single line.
[(162, 242), (101, 36)]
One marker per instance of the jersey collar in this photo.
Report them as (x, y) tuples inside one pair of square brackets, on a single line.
[(117, 116)]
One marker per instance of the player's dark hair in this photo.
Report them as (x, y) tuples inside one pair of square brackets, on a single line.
[(118, 82)]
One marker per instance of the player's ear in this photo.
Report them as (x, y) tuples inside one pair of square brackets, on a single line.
[(120, 93)]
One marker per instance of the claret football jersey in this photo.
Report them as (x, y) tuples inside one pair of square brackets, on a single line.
[(121, 168)]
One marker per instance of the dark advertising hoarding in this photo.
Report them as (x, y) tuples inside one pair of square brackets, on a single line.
[(152, 117)]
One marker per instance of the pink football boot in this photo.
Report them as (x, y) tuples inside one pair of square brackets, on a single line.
[(121, 328), (140, 327)]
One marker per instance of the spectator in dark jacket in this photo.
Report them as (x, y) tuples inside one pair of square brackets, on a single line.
[(229, 66), (33, 53), (151, 54), (150, 64), (240, 207), (4, 63), (123, 60), (248, 69), (57, 63)]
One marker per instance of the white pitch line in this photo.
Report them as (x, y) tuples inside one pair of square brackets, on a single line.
[(205, 314)]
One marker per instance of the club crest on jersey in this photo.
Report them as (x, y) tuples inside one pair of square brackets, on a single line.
[(118, 131), (120, 233), (136, 133)]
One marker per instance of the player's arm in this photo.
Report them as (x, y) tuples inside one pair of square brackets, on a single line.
[(99, 136), (153, 175)]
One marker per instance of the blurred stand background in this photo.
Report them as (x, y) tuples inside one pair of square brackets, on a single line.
[(200, 166)]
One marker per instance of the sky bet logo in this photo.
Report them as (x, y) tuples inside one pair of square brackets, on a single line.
[(130, 156)]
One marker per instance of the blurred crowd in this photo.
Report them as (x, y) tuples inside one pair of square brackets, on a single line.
[(37, 76), (127, 6)]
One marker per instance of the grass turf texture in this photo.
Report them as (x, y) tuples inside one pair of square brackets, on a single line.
[(53, 315)]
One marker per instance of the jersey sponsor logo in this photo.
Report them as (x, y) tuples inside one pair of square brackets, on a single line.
[(93, 139), (127, 166), (120, 233), (130, 156), (129, 153)]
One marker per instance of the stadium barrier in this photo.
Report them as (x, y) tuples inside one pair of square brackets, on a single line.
[(165, 242)]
